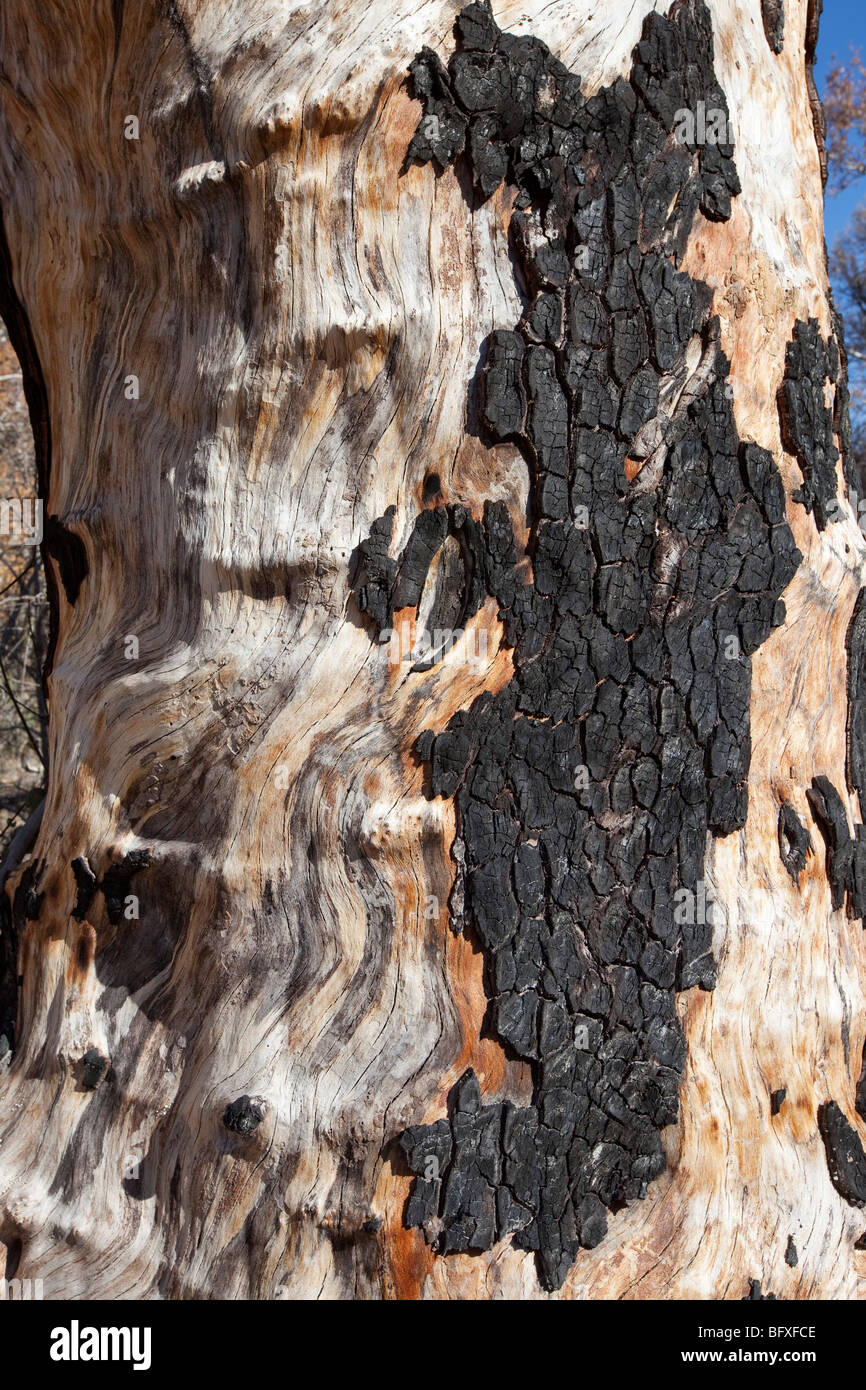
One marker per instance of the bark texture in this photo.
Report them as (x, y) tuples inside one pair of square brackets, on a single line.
[(353, 964)]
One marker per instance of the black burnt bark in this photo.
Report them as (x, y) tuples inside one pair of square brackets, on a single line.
[(846, 1159), (659, 551), (773, 16)]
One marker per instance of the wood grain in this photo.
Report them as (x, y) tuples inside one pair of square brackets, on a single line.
[(303, 314)]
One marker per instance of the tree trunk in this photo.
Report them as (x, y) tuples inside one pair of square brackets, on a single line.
[(525, 959)]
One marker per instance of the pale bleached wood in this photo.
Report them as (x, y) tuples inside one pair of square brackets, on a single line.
[(304, 316)]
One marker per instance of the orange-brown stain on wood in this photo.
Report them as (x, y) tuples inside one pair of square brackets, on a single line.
[(408, 1261), (85, 949)]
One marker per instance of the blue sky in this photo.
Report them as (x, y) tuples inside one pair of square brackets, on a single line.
[(842, 24)]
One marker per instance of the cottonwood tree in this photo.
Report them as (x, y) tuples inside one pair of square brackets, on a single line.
[(845, 103), (848, 270), (845, 109), (450, 879)]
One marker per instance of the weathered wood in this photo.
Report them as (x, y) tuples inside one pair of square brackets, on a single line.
[(330, 360)]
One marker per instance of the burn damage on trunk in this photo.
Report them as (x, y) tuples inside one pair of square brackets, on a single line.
[(114, 885), (69, 554), (86, 885), (659, 551), (795, 842), (388, 586), (846, 1159), (94, 1066), (244, 1115), (117, 879), (846, 857), (809, 425), (756, 1296), (773, 15)]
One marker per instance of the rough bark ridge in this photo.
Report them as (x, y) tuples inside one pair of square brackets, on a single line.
[(659, 551), (819, 120), (809, 425), (533, 369), (773, 15)]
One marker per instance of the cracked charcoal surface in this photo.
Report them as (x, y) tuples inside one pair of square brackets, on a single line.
[(846, 1159), (773, 15), (795, 842), (846, 857), (387, 585), (86, 885), (792, 1259), (631, 642), (93, 1068), (243, 1115), (755, 1296), (116, 881), (777, 1100), (808, 423)]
